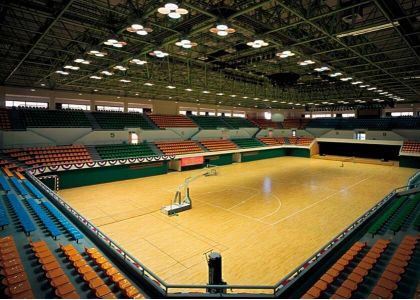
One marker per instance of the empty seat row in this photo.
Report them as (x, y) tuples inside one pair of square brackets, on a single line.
[(403, 213), (45, 219), (180, 147), (384, 217), (70, 228), (53, 118), (89, 275), (237, 122), (166, 121), (118, 151), (264, 124), (15, 278), (17, 183), (4, 219), (218, 145), (4, 183), (411, 147), (334, 271), (58, 280), (33, 189), (247, 143), (210, 122), (23, 217), (119, 120)]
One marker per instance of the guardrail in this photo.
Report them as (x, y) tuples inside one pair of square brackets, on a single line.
[(413, 179), (193, 291)]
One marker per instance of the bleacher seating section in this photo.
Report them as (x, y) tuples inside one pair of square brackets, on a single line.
[(15, 280), (4, 120), (70, 228), (119, 120), (264, 123), (24, 219), (295, 123), (236, 122), (178, 147), (172, 121), (270, 141), (53, 118), (247, 143), (373, 124), (44, 218), (52, 155), (218, 145), (383, 269), (209, 122), (4, 163), (411, 147), (119, 151)]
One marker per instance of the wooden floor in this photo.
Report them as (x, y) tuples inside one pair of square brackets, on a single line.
[(265, 217)]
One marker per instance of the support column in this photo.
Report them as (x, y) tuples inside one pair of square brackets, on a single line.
[(51, 103), (125, 106), (2, 96)]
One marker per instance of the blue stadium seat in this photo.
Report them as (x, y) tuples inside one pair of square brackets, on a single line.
[(33, 189), (4, 184), (75, 234), (24, 218), (45, 219), (19, 186), (4, 219)]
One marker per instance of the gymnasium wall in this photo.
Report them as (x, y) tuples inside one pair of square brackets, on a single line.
[(410, 161), (370, 135), (82, 177)]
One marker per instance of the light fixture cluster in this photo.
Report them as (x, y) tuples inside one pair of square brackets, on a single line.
[(107, 73), (120, 68), (139, 29), (82, 61), (336, 74), (306, 62), (158, 53), (187, 44), (285, 54), (322, 69), (97, 53), (62, 72), (70, 67), (257, 44), (138, 61), (172, 10), (115, 43), (222, 30)]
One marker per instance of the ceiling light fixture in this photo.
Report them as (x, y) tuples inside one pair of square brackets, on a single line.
[(222, 30), (258, 43), (97, 53), (71, 67), (120, 68), (185, 43), (62, 72), (369, 29), (172, 10), (81, 61), (115, 43), (171, 87), (189, 90), (139, 29), (306, 62), (336, 74), (285, 54), (125, 80), (356, 82), (95, 77), (107, 73), (322, 69), (138, 61), (158, 53), (219, 94), (205, 92), (346, 78), (148, 84)]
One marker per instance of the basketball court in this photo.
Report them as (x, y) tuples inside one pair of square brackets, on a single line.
[(265, 217)]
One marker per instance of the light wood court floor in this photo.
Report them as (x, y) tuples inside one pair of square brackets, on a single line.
[(265, 217)]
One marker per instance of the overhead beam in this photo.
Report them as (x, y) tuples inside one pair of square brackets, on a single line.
[(46, 30)]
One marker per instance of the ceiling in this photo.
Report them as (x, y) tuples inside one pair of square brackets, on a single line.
[(40, 37)]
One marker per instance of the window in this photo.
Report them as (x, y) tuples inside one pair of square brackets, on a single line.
[(360, 136), (307, 116), (402, 114), (11, 103), (349, 115), (109, 108), (293, 133), (134, 138), (314, 116), (184, 110), (239, 114), (212, 113), (267, 115), (75, 106), (225, 113), (135, 109)]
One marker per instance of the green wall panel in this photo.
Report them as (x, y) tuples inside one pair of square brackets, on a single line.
[(410, 161), (219, 160), (299, 152), (262, 154), (82, 177)]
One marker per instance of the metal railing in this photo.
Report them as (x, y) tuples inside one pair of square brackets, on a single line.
[(195, 290)]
